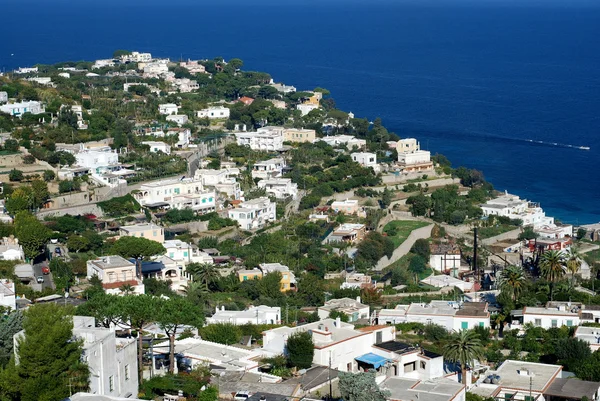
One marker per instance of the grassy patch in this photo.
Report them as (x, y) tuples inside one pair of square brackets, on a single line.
[(399, 230), (488, 232)]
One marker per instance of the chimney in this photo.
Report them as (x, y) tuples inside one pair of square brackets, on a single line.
[(216, 309), (338, 322), (358, 299), (223, 307)]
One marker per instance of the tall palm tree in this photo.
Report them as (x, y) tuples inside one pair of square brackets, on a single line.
[(464, 347), (573, 263), (206, 273), (127, 289), (552, 267), (512, 280)]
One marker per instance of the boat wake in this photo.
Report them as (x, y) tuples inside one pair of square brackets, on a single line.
[(561, 145)]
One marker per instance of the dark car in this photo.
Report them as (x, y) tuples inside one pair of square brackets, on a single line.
[(57, 250)]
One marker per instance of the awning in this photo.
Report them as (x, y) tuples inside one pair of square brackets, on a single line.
[(372, 359)]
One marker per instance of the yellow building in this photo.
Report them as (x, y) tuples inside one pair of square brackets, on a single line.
[(299, 135), (288, 279)]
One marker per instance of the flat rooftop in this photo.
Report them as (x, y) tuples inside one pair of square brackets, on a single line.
[(440, 389), (530, 310), (112, 261), (520, 375)]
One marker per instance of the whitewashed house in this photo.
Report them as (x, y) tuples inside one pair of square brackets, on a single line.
[(253, 315), (280, 188), (366, 159), (156, 146), (7, 294), (353, 308), (214, 112), (168, 109), (266, 169), (112, 361), (552, 316), (337, 344), (223, 181), (254, 214), (20, 108), (262, 141), (10, 249), (178, 119), (513, 207), (177, 194)]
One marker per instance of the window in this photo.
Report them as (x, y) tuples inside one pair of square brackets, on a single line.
[(554, 323), (126, 372), (378, 337), (111, 383), (245, 278), (569, 323), (481, 324), (154, 233), (172, 254), (529, 398), (538, 322), (464, 325), (409, 367), (185, 254), (423, 365), (508, 396)]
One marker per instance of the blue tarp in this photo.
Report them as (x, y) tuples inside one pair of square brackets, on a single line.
[(372, 359)]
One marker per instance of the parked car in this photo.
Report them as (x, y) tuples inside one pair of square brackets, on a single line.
[(57, 250), (242, 395), (40, 279), (45, 270)]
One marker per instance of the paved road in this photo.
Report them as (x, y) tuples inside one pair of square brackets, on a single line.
[(48, 281)]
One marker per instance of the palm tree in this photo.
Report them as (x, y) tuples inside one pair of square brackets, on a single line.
[(552, 267), (205, 273), (196, 292), (574, 261), (512, 280), (464, 347), (127, 289)]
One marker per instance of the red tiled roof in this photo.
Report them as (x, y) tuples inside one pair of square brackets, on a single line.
[(118, 284)]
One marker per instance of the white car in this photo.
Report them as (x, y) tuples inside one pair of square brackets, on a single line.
[(40, 279), (242, 395)]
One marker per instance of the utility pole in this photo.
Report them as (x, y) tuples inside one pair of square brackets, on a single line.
[(329, 377), (475, 255)]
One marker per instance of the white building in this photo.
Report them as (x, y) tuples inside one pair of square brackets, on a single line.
[(178, 119), (451, 315), (411, 158), (112, 361), (10, 249), (262, 141), (353, 308), (306, 108), (348, 140), (114, 272), (513, 207), (253, 315), (177, 194), (223, 181), (437, 389), (26, 70), (590, 335), (109, 62), (521, 381), (445, 257), (366, 159), (280, 188), (444, 280), (7, 294), (3, 97), (184, 253), (214, 112), (357, 281), (185, 85), (266, 169), (254, 214), (337, 344), (137, 57), (184, 137), (41, 80), (20, 108), (156, 147), (97, 160), (155, 68), (552, 316), (168, 108), (284, 88)]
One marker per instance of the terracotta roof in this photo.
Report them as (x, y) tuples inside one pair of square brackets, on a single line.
[(118, 284), (372, 328)]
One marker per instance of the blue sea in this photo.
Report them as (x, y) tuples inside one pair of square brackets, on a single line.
[(508, 87)]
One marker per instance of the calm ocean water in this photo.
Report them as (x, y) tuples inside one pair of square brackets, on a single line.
[(477, 81)]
